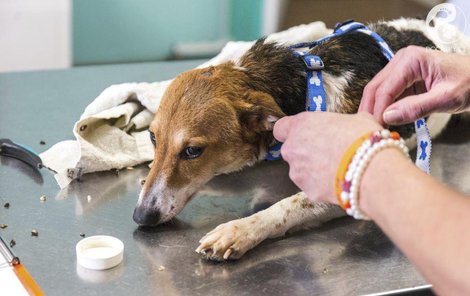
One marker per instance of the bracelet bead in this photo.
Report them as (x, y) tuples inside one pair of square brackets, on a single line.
[(355, 161)]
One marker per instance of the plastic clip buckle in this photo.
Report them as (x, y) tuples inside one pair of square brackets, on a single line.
[(313, 62)]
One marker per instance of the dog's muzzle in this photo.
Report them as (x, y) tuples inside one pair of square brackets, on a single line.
[(145, 216)]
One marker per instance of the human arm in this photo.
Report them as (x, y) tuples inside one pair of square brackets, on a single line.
[(416, 83), (428, 221)]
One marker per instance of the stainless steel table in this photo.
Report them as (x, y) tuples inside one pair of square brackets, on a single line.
[(342, 257)]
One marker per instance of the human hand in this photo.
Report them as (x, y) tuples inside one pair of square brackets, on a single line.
[(314, 144), (424, 81)]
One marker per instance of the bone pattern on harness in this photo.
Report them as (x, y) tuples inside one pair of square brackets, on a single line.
[(423, 155), (316, 96)]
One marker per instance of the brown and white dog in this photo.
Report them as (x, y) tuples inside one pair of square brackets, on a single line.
[(219, 119)]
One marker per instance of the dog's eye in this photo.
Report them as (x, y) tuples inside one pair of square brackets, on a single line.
[(152, 138), (191, 152)]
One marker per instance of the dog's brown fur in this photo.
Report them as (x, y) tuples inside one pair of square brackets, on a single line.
[(222, 115), (203, 108)]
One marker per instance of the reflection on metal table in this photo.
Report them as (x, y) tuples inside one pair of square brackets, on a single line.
[(341, 257)]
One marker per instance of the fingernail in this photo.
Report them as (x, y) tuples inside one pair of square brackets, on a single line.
[(392, 116)]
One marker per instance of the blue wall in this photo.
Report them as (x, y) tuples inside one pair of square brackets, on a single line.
[(111, 31), (245, 19)]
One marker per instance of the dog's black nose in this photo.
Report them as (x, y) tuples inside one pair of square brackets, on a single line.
[(146, 217)]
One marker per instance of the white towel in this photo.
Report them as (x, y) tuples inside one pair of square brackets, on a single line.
[(111, 132)]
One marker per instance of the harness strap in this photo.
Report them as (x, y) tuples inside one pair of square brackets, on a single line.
[(316, 96)]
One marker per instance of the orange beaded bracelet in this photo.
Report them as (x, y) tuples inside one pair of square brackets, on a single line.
[(355, 161), (343, 167)]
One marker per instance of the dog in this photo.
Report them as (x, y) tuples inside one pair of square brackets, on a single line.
[(219, 120)]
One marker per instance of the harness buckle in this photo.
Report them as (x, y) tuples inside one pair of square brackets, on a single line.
[(313, 62)]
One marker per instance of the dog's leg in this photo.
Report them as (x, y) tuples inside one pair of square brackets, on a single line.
[(233, 239)]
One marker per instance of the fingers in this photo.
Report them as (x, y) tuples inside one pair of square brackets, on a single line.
[(401, 73), (281, 128), (403, 77), (414, 107), (368, 96)]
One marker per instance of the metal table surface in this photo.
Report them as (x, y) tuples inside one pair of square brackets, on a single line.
[(342, 257)]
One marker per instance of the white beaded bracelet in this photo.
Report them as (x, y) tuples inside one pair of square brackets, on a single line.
[(377, 142)]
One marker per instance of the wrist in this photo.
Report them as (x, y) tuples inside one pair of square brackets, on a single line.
[(354, 164), (384, 173)]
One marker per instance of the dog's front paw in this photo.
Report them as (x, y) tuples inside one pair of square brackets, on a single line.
[(230, 240)]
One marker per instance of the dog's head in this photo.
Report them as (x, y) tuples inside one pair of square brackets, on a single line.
[(209, 122)]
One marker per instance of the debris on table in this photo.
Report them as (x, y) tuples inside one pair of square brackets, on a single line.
[(12, 243), (88, 198), (3, 226), (6, 205), (43, 198), (82, 234), (42, 142), (161, 268), (34, 232)]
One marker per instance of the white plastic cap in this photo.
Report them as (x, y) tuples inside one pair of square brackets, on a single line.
[(99, 252)]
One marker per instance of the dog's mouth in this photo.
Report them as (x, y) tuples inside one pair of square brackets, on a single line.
[(175, 210), (168, 223)]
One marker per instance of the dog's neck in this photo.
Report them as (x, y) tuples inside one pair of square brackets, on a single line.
[(275, 70), (351, 61)]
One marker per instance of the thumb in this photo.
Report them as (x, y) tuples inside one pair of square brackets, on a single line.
[(281, 128), (413, 107)]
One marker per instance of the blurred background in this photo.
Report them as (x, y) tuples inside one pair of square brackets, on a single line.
[(57, 34)]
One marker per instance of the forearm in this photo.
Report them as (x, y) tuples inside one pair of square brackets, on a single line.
[(428, 221)]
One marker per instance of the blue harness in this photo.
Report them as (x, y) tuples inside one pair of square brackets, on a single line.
[(316, 96)]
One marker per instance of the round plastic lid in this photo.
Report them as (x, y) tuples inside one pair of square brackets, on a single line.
[(99, 252)]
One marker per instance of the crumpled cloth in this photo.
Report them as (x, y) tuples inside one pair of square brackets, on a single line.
[(112, 131)]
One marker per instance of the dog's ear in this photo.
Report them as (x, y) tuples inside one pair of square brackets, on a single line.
[(259, 112)]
